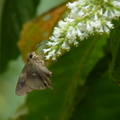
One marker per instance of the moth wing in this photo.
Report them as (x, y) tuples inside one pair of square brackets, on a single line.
[(45, 75), (22, 88), (37, 79), (34, 78), (44, 70)]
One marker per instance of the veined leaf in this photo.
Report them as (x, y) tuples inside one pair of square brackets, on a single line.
[(102, 97)]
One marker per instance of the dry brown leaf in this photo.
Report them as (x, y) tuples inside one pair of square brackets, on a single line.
[(39, 29)]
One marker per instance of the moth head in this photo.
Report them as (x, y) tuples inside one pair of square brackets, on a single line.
[(31, 55)]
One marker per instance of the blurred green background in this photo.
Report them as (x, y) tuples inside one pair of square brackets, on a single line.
[(85, 79)]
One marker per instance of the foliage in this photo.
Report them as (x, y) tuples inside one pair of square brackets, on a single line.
[(85, 79), (14, 14)]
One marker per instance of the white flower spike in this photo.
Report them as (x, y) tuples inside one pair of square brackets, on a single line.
[(85, 19)]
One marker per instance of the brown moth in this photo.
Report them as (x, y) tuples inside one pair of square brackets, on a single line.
[(33, 76)]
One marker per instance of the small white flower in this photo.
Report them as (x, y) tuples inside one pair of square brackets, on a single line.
[(53, 58), (48, 57), (106, 29), (79, 33), (101, 11), (71, 40), (106, 13), (51, 54), (92, 24), (97, 24), (105, 0), (62, 24), (85, 34), (72, 33), (69, 19), (95, 17), (68, 35), (81, 2), (81, 13), (101, 30), (109, 24), (57, 32), (59, 51), (65, 46), (79, 24), (82, 37), (74, 12), (111, 14), (82, 27), (71, 5), (46, 50), (86, 7), (116, 3), (52, 38), (76, 43), (52, 43), (89, 28), (117, 13)]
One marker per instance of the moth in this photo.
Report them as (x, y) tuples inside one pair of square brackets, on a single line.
[(33, 76)]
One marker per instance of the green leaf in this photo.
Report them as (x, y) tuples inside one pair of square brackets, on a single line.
[(102, 99), (69, 72), (15, 13), (115, 49)]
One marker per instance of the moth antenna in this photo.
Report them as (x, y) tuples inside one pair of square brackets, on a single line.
[(41, 53), (36, 46), (39, 44)]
